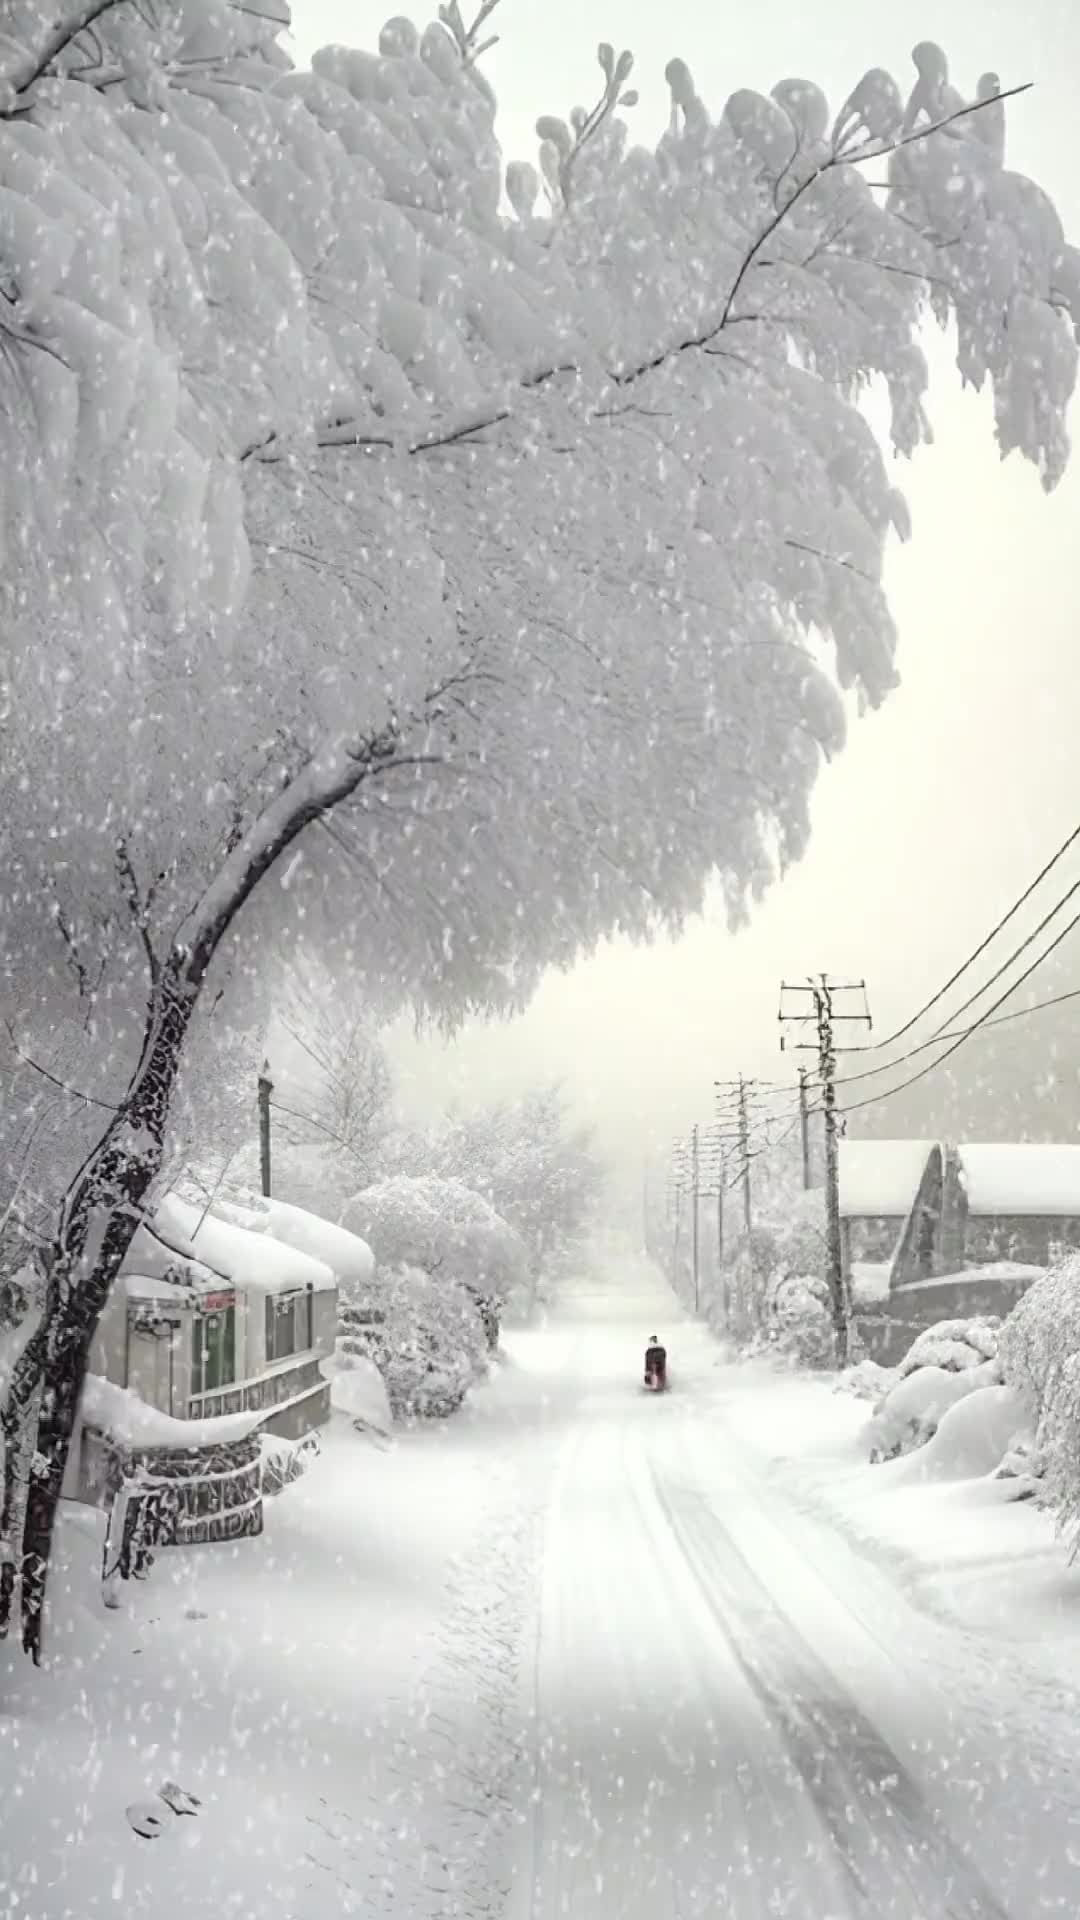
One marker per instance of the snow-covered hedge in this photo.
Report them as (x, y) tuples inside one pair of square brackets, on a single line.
[(943, 1365), (424, 1335), (1040, 1356)]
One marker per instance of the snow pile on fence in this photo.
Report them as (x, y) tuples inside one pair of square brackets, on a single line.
[(120, 1414)]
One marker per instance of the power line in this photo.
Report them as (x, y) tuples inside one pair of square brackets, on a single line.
[(959, 1033), (984, 1020), (983, 944)]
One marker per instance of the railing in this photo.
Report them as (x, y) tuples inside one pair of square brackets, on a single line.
[(266, 1391)]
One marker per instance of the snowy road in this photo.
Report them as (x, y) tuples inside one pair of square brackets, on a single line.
[(718, 1730)]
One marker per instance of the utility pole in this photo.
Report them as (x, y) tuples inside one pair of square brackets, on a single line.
[(695, 1191), (733, 1101), (744, 1158), (266, 1088), (804, 1129), (823, 995)]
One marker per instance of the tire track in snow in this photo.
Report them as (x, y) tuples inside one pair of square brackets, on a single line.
[(901, 1861)]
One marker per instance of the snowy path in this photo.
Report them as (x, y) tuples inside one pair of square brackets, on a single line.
[(579, 1655), (722, 1726)]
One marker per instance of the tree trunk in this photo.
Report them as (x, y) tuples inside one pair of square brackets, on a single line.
[(102, 1211)]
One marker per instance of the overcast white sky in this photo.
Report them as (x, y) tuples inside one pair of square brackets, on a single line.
[(945, 802)]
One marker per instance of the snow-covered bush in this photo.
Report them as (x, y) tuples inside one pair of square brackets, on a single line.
[(867, 1380), (424, 1335), (800, 1323), (973, 1435), (448, 1231), (911, 1412), (1040, 1353), (953, 1345), (943, 1364)]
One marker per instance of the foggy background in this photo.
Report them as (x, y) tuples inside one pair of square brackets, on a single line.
[(946, 802)]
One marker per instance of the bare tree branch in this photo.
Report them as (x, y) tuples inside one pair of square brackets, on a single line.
[(73, 1093)]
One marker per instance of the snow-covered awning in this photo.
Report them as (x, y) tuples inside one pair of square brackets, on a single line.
[(1022, 1179), (880, 1178)]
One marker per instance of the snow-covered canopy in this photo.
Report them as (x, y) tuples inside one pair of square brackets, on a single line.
[(880, 1178), (1023, 1179)]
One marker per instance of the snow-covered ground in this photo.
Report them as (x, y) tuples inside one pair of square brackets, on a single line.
[(582, 1652)]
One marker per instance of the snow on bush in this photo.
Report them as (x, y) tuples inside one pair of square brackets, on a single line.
[(800, 1323), (972, 1437), (911, 1411), (445, 1229), (424, 1335), (867, 1380), (1040, 1354), (953, 1345)]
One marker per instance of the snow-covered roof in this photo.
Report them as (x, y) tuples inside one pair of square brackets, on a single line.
[(880, 1178), (1024, 1178), (349, 1258), (254, 1260)]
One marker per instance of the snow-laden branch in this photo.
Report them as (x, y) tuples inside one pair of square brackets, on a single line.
[(31, 63)]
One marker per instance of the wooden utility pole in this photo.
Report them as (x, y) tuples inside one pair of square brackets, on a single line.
[(695, 1192), (744, 1158), (804, 1129), (823, 995), (266, 1088)]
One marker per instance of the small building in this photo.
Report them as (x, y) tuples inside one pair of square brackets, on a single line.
[(209, 1318), (982, 1221)]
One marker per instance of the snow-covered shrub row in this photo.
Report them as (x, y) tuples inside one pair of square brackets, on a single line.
[(1040, 1354), (944, 1364)]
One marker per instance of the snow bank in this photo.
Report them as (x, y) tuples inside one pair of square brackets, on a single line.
[(973, 1437), (357, 1389), (881, 1177), (124, 1417), (910, 1415), (1024, 1179), (252, 1258)]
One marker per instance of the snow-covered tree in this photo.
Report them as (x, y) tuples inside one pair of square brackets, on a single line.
[(501, 572), (527, 1158), (443, 1228)]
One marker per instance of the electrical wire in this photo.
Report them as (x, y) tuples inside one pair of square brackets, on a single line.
[(934, 1000), (1002, 1020), (983, 1021)]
